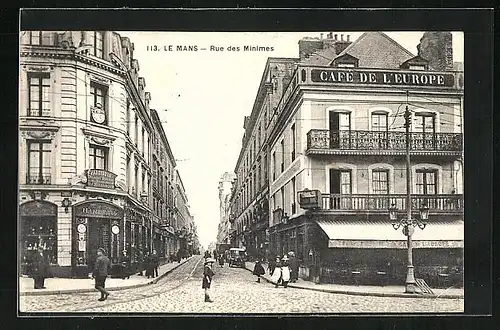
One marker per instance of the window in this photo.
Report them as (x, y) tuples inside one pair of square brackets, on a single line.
[(380, 182), (98, 94), (97, 44), (426, 182), (282, 190), (98, 157), (293, 196), (128, 117), (417, 67), (143, 147), (38, 162), (39, 89), (127, 169), (282, 156), (379, 122), (425, 129), (425, 122), (274, 165), (40, 38), (136, 129), (293, 142)]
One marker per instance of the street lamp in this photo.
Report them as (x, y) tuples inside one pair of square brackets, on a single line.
[(408, 225)]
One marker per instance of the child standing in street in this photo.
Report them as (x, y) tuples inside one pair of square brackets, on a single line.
[(207, 278), (258, 270)]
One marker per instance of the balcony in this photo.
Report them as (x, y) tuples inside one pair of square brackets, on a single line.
[(320, 141), (452, 203), (38, 179)]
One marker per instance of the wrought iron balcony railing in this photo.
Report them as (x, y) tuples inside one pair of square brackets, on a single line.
[(38, 179), (373, 140), (365, 202)]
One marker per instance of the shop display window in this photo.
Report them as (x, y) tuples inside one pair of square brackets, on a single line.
[(39, 231)]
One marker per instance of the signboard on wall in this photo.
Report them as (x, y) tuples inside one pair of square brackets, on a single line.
[(100, 179), (309, 199), (384, 77), (96, 209)]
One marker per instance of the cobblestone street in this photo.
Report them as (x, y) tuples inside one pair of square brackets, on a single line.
[(234, 290)]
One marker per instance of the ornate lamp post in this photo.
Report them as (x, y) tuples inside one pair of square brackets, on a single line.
[(408, 224)]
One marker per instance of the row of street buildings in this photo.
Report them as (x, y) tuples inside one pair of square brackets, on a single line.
[(95, 165), (323, 159)]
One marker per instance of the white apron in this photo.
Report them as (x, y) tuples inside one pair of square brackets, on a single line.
[(286, 273), (276, 274)]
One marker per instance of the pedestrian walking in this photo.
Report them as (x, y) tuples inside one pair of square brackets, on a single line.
[(100, 273), (155, 260), (294, 267), (40, 269), (207, 278), (258, 270), (276, 277), (125, 265), (272, 265), (148, 262), (285, 271), (221, 260)]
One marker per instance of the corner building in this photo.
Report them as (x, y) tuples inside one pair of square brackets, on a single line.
[(85, 152), (339, 129)]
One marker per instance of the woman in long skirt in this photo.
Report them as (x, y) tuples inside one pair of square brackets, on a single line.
[(285, 271), (276, 277)]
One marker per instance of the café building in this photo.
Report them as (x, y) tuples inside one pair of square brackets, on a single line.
[(338, 161)]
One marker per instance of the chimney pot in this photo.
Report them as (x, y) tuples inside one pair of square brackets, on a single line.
[(321, 35), (335, 36), (348, 37), (341, 37)]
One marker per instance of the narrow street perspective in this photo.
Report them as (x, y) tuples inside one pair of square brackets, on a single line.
[(257, 172), (234, 290)]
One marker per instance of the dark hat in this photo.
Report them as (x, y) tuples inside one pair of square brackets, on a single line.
[(101, 249)]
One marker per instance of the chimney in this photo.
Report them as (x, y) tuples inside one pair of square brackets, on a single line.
[(307, 46), (437, 48), (321, 35), (348, 37), (335, 36), (329, 35), (341, 37)]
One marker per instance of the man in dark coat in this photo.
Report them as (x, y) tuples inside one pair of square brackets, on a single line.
[(207, 278), (155, 263), (294, 267), (100, 273), (40, 268)]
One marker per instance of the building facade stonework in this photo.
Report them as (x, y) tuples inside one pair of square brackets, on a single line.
[(85, 159)]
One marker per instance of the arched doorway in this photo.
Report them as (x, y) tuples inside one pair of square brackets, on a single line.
[(96, 225), (38, 224)]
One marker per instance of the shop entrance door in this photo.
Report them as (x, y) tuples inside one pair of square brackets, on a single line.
[(98, 237)]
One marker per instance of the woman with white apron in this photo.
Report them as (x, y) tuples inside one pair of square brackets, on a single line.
[(276, 277), (285, 271)]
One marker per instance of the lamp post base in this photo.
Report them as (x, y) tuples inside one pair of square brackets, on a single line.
[(410, 285)]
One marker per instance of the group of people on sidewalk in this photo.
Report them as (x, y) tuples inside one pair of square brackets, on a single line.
[(282, 270)]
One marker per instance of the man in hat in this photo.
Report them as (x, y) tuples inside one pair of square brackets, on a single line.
[(207, 278), (40, 268), (294, 267), (100, 273)]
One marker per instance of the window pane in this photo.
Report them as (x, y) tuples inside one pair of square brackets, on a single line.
[(46, 39), (344, 121), (35, 38), (34, 92)]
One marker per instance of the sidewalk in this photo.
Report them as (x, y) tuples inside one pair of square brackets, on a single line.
[(74, 285), (364, 290)]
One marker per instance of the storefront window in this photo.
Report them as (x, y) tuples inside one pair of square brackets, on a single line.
[(39, 231)]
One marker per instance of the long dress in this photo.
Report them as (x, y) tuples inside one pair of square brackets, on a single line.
[(276, 275), (285, 271)]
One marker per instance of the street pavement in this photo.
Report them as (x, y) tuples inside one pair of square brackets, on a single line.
[(234, 290)]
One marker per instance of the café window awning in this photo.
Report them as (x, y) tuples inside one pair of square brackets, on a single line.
[(381, 234)]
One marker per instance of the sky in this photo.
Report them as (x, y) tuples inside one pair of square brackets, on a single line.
[(202, 97)]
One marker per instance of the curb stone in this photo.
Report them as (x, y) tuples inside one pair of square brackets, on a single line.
[(373, 294), (87, 290)]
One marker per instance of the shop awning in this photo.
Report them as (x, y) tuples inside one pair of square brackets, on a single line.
[(381, 234)]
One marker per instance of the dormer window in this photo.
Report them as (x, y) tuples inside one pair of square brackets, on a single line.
[(345, 61), (416, 63)]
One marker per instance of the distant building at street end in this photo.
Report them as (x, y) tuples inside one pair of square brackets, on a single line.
[(225, 188)]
